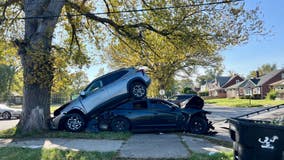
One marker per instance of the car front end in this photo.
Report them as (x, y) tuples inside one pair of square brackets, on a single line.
[(60, 113)]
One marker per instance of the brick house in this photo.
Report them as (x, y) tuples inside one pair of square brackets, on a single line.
[(217, 87), (243, 89), (256, 87), (279, 88)]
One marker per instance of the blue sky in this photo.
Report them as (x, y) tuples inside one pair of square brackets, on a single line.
[(244, 58), (259, 50)]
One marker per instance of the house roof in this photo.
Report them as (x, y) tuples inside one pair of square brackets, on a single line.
[(231, 78), (281, 82), (255, 80), (267, 77), (222, 80), (236, 85), (243, 83)]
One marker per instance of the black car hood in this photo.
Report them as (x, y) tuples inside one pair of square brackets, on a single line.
[(195, 102)]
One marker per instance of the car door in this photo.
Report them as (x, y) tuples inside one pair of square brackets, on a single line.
[(165, 116), (114, 85), (95, 95), (141, 117)]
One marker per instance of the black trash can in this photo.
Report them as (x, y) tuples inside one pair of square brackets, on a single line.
[(256, 140)]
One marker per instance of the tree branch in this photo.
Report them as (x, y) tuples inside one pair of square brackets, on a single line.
[(74, 33), (121, 29), (107, 6)]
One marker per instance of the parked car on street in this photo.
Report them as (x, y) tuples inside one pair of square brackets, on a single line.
[(7, 112), (154, 115), (102, 92), (181, 99)]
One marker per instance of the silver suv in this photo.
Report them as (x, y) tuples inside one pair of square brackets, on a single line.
[(100, 94)]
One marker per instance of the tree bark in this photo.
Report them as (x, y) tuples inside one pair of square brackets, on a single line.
[(37, 62)]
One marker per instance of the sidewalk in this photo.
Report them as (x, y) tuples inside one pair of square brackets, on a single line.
[(138, 146)]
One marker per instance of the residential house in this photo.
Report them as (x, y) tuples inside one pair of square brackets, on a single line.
[(279, 88), (256, 87), (217, 88), (204, 87), (245, 88)]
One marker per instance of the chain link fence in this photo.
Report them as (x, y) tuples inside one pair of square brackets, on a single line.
[(55, 99)]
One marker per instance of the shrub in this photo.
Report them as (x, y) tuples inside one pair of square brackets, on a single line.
[(203, 94), (271, 95), (188, 90)]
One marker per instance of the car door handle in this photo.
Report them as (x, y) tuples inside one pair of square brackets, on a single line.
[(156, 113)]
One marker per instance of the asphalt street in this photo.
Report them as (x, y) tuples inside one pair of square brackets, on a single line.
[(6, 124)]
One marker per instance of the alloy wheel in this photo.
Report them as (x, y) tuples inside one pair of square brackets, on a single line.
[(75, 122)]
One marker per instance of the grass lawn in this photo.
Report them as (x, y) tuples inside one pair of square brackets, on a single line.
[(243, 102), (216, 156), (15, 153), (12, 133)]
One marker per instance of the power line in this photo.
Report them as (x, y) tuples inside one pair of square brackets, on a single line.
[(127, 11)]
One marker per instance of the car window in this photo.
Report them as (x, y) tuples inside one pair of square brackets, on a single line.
[(140, 105), (159, 105), (95, 86), (113, 77)]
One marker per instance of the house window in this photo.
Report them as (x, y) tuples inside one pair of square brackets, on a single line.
[(248, 91)]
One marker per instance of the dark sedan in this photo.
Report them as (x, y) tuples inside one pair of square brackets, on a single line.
[(154, 115)]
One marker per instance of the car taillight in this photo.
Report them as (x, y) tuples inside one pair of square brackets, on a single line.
[(141, 70)]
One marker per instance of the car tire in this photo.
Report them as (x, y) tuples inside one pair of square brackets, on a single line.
[(138, 90), (74, 122), (6, 115), (198, 125), (120, 124)]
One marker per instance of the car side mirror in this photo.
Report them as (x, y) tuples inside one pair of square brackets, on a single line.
[(83, 93)]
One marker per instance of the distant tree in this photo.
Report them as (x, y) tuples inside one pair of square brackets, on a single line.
[(10, 70), (79, 81), (232, 73), (188, 90), (262, 70), (210, 74), (6, 77)]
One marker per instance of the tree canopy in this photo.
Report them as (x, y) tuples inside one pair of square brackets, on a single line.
[(263, 69), (194, 38)]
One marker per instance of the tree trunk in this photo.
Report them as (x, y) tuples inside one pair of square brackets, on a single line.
[(37, 62), (37, 87)]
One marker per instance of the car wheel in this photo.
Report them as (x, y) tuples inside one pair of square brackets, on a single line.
[(198, 125), (138, 90), (6, 115), (74, 122), (120, 125)]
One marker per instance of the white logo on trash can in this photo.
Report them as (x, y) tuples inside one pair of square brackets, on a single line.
[(266, 143)]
